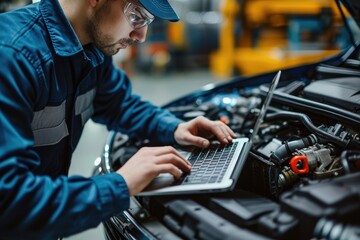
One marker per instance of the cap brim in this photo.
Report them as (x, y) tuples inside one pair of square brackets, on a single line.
[(161, 9)]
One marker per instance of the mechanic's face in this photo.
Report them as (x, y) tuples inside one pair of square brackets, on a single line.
[(117, 24)]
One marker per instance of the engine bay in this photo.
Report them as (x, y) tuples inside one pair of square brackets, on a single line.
[(301, 178), (292, 148)]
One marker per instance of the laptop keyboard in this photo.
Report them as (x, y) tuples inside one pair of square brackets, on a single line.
[(209, 165)]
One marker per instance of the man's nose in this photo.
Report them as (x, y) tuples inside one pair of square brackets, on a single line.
[(139, 34)]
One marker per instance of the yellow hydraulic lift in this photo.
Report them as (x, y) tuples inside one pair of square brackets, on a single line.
[(265, 42)]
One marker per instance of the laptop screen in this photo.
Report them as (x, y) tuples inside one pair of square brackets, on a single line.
[(265, 106)]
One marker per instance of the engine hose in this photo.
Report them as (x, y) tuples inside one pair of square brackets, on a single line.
[(282, 154), (330, 229), (309, 125), (350, 160)]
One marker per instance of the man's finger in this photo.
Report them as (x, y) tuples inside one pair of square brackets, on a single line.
[(196, 141), (175, 160), (158, 151), (169, 168), (221, 133)]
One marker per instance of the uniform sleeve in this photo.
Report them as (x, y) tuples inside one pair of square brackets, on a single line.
[(120, 110), (37, 206)]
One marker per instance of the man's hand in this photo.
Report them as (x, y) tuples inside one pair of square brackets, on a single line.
[(149, 162), (197, 131)]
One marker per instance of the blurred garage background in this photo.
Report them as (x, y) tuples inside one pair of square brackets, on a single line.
[(215, 40)]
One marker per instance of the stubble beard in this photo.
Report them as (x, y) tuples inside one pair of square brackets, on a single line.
[(102, 41)]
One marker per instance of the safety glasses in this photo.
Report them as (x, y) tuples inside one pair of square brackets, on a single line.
[(136, 15)]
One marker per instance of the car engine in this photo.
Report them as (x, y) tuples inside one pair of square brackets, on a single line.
[(301, 179)]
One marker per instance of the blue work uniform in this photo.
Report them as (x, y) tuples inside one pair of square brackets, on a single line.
[(50, 86)]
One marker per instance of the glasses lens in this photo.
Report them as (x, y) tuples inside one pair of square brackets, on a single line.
[(136, 16)]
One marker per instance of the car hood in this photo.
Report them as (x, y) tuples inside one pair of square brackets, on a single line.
[(353, 7)]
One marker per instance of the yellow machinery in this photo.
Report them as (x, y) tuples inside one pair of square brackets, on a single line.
[(271, 35)]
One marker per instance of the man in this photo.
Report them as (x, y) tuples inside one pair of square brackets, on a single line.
[(56, 73)]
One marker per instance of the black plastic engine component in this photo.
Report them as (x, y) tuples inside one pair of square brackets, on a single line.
[(342, 92), (260, 176), (243, 209), (193, 221), (337, 199)]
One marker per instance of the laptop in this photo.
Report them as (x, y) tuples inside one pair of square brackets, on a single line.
[(214, 169)]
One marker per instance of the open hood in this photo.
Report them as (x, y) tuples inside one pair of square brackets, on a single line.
[(353, 7)]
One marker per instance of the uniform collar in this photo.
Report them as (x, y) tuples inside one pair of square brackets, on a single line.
[(62, 35)]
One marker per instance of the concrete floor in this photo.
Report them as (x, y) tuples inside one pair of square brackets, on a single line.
[(159, 89)]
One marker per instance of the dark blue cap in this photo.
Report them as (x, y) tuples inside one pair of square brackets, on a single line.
[(161, 9)]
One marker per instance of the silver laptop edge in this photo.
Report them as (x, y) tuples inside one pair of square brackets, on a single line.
[(265, 106)]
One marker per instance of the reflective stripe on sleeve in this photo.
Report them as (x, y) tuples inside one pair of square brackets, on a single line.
[(84, 105), (49, 125)]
